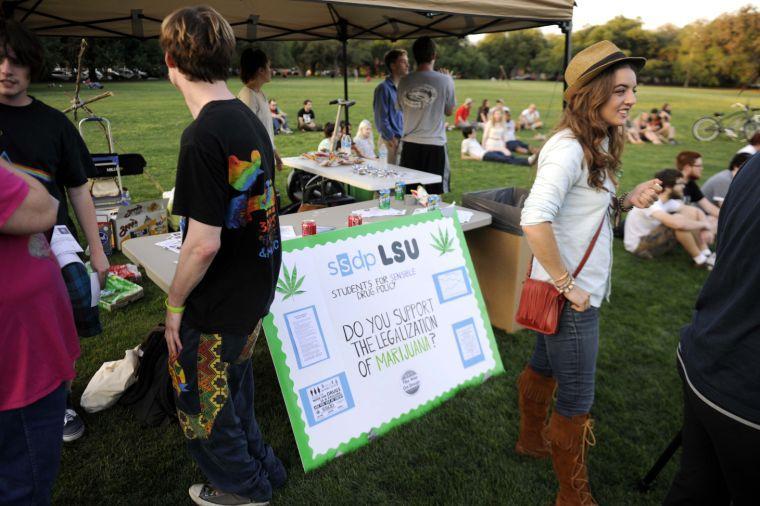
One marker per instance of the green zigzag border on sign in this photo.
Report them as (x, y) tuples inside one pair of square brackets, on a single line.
[(311, 461)]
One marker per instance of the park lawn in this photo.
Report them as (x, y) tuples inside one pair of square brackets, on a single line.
[(461, 452)]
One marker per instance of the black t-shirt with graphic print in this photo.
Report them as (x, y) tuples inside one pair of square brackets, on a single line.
[(225, 178), (42, 142), (307, 117)]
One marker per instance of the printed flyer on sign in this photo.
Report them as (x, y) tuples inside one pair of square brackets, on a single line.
[(374, 325)]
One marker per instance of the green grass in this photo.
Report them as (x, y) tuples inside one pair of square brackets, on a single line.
[(460, 453)]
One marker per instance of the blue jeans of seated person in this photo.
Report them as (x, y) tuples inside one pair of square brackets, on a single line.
[(498, 156), (513, 145), (213, 387), (570, 357), (277, 124), (31, 439)]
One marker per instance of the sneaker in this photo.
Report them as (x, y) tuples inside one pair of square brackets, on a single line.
[(206, 495), (73, 426), (673, 142), (711, 261), (531, 159)]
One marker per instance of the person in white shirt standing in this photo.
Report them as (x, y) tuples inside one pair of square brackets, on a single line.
[(570, 201), (255, 72), (656, 230)]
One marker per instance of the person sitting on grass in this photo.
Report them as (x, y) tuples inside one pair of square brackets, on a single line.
[(530, 118), (513, 143), (324, 145), (716, 188), (659, 123), (690, 164), (364, 142), (483, 111), (462, 115), (753, 146), (656, 230), (279, 119), (472, 150), (306, 116), (632, 132), (646, 133)]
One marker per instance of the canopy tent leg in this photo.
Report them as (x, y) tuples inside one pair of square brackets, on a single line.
[(344, 44), (567, 29)]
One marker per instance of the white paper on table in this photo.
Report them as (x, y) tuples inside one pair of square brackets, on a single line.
[(287, 232), (172, 243), (64, 246), (421, 210), (374, 212), (94, 289), (464, 216)]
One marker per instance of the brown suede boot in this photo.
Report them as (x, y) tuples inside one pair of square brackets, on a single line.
[(570, 439), (535, 396)]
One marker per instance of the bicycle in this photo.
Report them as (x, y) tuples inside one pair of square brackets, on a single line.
[(737, 125)]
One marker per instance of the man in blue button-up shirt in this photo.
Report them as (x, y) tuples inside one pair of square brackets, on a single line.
[(389, 120)]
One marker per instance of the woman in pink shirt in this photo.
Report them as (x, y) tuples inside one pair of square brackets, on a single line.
[(38, 339)]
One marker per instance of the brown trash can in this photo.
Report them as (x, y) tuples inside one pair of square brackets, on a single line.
[(500, 253)]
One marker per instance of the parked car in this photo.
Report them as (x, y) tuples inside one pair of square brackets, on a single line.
[(60, 74)]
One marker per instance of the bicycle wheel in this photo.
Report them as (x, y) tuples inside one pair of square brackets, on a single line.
[(751, 127), (705, 129)]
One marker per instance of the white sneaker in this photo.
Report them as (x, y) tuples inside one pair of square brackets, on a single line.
[(531, 159)]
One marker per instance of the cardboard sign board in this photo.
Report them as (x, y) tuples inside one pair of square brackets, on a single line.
[(375, 325)]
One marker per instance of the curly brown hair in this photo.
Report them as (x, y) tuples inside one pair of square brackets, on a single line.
[(583, 116)]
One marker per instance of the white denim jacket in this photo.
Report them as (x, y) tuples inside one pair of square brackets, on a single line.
[(561, 195)]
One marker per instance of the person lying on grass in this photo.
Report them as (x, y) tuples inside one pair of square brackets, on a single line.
[(472, 150)]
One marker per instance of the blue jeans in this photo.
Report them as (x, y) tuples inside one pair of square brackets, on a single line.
[(277, 124), (570, 356), (31, 439), (513, 145), (498, 156), (213, 386)]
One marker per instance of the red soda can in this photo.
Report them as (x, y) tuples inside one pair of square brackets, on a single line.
[(354, 219), (308, 227)]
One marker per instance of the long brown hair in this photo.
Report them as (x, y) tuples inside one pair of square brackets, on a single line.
[(583, 116)]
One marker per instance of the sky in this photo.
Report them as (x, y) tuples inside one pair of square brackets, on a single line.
[(654, 13)]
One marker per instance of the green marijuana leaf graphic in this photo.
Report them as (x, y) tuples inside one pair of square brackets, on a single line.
[(442, 242), (291, 284)]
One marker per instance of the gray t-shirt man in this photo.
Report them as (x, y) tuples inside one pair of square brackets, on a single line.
[(426, 97), (717, 185)]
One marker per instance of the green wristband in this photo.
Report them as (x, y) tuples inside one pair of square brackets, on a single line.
[(173, 309)]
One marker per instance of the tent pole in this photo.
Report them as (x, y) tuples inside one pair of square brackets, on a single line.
[(567, 29), (343, 29)]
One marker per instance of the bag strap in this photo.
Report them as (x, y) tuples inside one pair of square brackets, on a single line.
[(585, 256)]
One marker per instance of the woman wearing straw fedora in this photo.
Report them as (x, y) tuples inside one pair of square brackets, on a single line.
[(567, 223)]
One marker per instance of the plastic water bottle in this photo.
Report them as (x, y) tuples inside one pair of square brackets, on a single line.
[(382, 151), (345, 144)]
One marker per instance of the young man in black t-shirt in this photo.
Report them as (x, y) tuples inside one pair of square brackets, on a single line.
[(228, 265), (43, 143), (690, 164), (306, 117)]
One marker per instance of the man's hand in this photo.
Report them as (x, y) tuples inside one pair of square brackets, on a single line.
[(393, 143), (99, 263), (645, 194), (277, 161), (579, 298), (171, 333)]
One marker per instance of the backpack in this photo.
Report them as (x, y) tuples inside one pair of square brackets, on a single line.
[(151, 397)]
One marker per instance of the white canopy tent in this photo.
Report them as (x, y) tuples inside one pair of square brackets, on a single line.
[(271, 20)]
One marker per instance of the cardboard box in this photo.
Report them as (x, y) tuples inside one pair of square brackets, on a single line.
[(501, 262), (140, 219)]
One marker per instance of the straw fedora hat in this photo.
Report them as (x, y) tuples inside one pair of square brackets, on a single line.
[(590, 62)]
